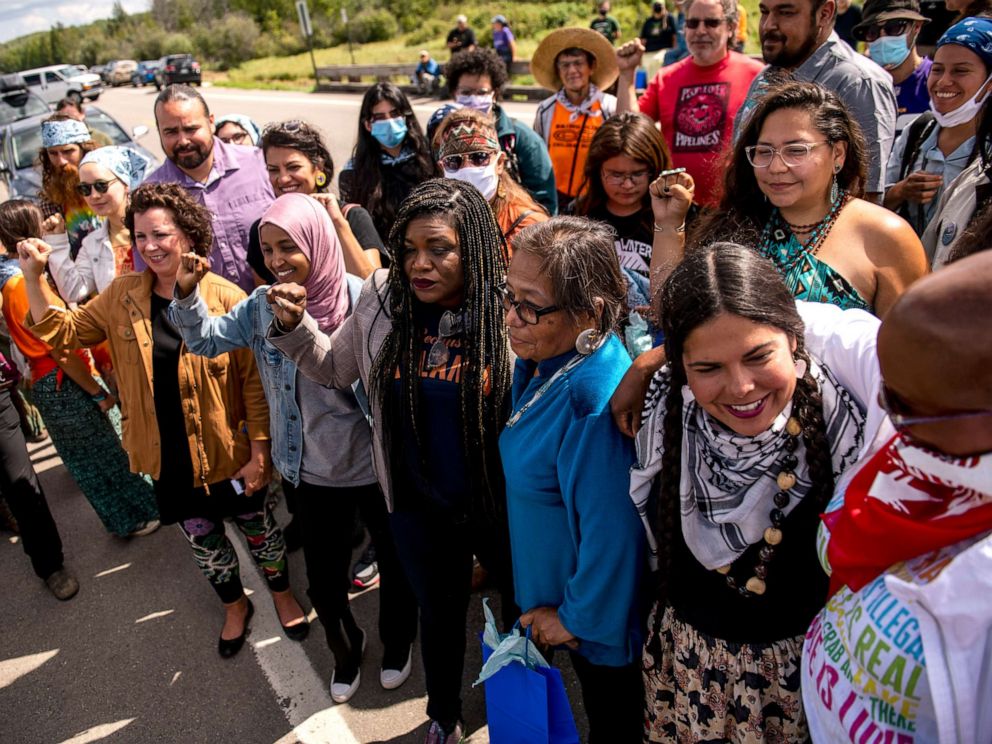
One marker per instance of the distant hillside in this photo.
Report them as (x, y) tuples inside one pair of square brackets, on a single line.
[(226, 34)]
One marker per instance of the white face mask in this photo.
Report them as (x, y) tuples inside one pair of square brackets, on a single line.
[(963, 113), (484, 178), (482, 104)]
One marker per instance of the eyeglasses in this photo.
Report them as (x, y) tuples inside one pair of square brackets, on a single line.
[(241, 138), (618, 179), (693, 23), (85, 189), (761, 156), (564, 64), (474, 92), (527, 312), (895, 27), (897, 411), (478, 159)]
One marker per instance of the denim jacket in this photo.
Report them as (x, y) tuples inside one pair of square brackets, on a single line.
[(245, 326)]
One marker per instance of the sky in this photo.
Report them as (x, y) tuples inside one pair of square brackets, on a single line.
[(20, 17)]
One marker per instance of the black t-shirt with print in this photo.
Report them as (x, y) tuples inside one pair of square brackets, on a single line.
[(634, 238)]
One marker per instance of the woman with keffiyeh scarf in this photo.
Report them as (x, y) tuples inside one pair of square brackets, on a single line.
[(746, 430)]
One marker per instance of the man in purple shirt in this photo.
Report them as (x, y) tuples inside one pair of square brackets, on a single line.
[(230, 180)]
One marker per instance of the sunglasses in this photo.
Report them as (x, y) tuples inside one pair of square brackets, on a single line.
[(479, 159), (889, 28), (85, 189), (694, 23), (898, 412)]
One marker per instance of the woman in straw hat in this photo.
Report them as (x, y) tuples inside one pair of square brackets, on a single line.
[(579, 64)]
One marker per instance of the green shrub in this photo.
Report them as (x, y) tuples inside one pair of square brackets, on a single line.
[(371, 25), (229, 41), (430, 31)]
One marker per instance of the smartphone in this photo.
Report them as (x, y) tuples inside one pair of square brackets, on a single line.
[(672, 172), (238, 488)]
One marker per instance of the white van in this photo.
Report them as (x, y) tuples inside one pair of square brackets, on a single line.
[(55, 82)]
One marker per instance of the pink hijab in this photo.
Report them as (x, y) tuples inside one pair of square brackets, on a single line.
[(306, 221)]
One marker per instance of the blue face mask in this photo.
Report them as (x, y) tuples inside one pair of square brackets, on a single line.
[(889, 51), (390, 132)]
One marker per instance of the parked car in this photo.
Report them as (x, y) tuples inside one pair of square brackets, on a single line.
[(120, 72), (20, 142), (145, 74), (177, 68), (105, 72), (17, 101), (55, 82)]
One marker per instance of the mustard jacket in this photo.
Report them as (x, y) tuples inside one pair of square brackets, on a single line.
[(224, 402)]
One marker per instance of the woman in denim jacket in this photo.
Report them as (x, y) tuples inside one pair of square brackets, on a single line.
[(321, 439)]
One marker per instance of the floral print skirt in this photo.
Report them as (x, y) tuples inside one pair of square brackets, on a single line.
[(704, 689)]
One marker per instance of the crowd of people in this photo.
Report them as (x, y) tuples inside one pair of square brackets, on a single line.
[(699, 379)]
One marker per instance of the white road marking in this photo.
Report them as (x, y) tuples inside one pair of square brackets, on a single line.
[(14, 669), (98, 732), (299, 689), (267, 642), (115, 569), (153, 616)]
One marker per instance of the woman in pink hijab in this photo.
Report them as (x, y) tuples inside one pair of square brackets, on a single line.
[(321, 441)]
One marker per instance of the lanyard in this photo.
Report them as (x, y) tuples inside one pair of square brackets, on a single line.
[(572, 363)]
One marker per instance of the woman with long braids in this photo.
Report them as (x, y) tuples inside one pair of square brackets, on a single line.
[(428, 342), (391, 156), (746, 430), (793, 190)]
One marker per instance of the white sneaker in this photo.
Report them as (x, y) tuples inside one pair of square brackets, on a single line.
[(341, 692), (390, 679)]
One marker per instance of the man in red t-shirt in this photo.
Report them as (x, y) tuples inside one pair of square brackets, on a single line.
[(696, 99)]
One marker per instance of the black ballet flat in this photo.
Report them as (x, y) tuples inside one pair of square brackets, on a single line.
[(228, 648), (297, 632)]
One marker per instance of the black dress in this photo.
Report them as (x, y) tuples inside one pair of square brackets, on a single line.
[(177, 499)]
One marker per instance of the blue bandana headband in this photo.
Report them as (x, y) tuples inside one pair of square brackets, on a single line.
[(974, 34), (64, 132), (123, 162), (242, 121)]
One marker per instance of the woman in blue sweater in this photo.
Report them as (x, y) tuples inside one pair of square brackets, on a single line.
[(577, 547)]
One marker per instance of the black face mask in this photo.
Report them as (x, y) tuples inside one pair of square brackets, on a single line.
[(602, 11)]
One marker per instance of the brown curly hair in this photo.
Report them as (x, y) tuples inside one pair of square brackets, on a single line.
[(189, 215)]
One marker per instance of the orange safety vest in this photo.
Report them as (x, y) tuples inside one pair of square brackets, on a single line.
[(569, 146)]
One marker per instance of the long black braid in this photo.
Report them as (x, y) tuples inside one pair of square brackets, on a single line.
[(486, 371), (715, 279)]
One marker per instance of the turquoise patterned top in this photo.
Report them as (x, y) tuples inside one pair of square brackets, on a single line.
[(806, 276)]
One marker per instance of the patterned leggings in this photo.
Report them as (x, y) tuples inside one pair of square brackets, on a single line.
[(214, 552)]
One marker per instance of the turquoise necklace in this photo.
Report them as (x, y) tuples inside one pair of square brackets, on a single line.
[(774, 242)]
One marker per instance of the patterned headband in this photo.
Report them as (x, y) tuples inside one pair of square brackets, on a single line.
[(468, 137), (64, 132)]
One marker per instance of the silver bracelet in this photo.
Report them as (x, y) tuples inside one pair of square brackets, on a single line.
[(661, 228)]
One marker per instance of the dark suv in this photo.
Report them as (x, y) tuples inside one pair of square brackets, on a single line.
[(177, 68)]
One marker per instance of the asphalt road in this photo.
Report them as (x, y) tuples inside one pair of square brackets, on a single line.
[(132, 658)]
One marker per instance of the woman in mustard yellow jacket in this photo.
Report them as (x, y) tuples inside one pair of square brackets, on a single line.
[(170, 398)]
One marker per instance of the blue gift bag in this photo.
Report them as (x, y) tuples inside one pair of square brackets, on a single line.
[(526, 701), (528, 706)]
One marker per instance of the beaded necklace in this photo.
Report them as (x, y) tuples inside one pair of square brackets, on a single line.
[(775, 232), (786, 479)]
